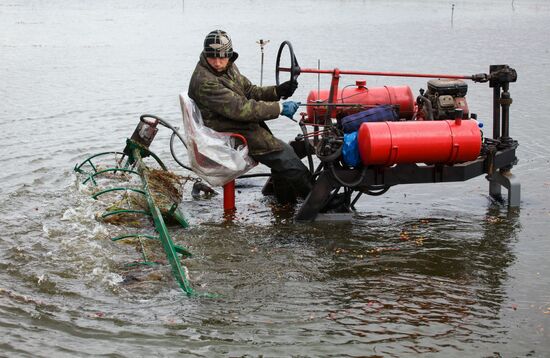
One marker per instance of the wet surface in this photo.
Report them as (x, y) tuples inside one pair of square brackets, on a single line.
[(440, 270)]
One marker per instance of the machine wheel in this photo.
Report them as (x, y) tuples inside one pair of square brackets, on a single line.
[(294, 67)]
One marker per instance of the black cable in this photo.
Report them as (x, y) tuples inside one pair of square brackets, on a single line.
[(343, 183), (352, 205), (175, 130), (256, 175), (174, 133), (380, 191), (174, 155)]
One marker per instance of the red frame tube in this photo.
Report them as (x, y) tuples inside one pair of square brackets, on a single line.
[(229, 188), (229, 196), (371, 73)]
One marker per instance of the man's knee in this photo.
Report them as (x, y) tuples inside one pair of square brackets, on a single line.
[(284, 161)]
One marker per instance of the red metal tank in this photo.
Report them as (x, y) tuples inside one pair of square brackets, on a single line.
[(401, 96), (446, 141)]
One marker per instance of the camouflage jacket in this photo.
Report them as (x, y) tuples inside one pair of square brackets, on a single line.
[(229, 102)]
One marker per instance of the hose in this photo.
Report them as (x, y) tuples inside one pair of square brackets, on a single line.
[(429, 108), (173, 153), (256, 175), (374, 190), (343, 183), (174, 133), (383, 189)]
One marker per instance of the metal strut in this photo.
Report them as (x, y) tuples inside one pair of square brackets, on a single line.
[(164, 236), (500, 78)]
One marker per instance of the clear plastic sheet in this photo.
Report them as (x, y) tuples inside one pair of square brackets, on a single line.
[(212, 155)]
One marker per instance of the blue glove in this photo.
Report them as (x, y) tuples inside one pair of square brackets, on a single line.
[(289, 108)]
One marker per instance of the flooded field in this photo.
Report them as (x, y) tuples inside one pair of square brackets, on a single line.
[(439, 270)]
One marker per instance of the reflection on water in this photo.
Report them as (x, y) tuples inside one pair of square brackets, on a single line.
[(432, 284), (422, 269)]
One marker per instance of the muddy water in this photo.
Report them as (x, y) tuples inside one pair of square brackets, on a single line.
[(440, 270)]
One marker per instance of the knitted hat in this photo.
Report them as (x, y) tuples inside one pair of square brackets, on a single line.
[(218, 44)]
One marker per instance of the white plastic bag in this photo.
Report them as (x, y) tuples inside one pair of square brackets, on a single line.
[(212, 154)]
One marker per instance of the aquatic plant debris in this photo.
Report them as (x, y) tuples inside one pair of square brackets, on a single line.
[(157, 197)]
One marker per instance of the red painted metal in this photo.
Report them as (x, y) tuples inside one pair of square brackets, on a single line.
[(400, 96), (431, 142), (229, 196), (229, 188), (333, 90), (238, 136), (371, 73), (407, 107)]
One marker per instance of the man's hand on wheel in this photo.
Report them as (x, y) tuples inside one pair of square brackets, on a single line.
[(286, 89)]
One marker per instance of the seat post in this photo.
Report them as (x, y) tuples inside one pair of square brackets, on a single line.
[(229, 196)]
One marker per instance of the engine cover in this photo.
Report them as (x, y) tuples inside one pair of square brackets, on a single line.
[(440, 87)]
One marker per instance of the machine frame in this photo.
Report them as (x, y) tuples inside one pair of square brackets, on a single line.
[(497, 157)]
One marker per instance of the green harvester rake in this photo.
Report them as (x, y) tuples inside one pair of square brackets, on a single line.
[(159, 210)]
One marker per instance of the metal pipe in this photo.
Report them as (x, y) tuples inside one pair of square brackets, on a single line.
[(320, 104), (164, 236), (496, 112), (262, 44), (229, 196), (319, 79), (505, 102), (332, 94), (371, 73)]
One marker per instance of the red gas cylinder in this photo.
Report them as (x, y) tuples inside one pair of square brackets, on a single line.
[(446, 141), (400, 96)]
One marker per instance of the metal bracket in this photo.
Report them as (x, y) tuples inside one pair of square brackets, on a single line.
[(510, 182)]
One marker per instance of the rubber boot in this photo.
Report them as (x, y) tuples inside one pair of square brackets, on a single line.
[(302, 185), (338, 203), (283, 191)]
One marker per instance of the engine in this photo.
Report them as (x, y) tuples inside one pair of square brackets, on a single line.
[(442, 99)]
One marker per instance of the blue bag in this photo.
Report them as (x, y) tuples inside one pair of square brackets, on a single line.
[(350, 150), (383, 113)]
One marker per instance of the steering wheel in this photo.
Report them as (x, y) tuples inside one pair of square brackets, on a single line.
[(294, 67)]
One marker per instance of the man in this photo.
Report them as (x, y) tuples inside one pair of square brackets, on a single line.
[(229, 102)]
